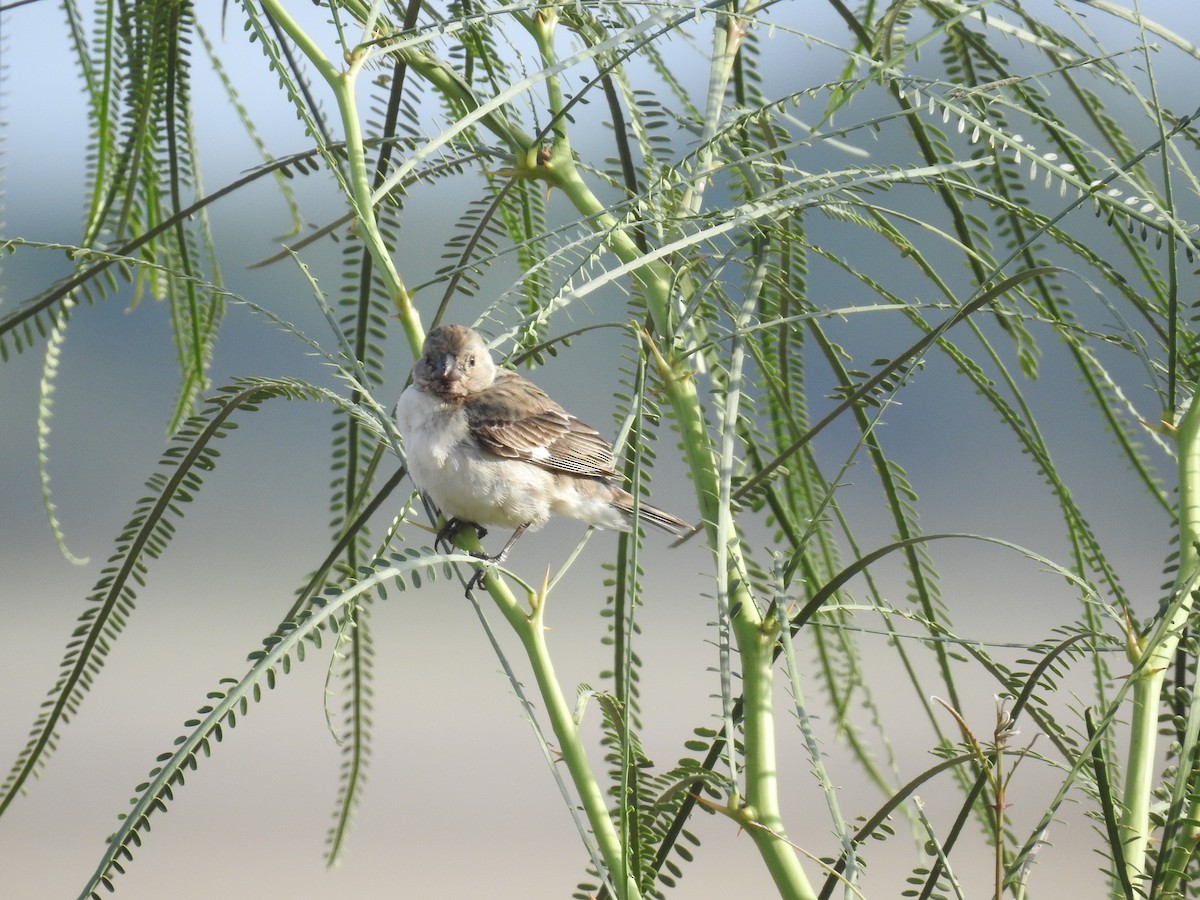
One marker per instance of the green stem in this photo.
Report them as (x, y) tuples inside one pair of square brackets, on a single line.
[(368, 225), (1182, 849), (756, 642), (654, 277), (1152, 656), (531, 631), (1139, 779), (997, 779), (727, 41), (343, 83), (755, 639), (542, 26), (460, 95), (575, 756)]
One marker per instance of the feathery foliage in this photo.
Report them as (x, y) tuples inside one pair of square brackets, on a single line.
[(800, 233)]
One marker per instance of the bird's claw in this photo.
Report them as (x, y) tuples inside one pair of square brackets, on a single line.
[(477, 579), (482, 572)]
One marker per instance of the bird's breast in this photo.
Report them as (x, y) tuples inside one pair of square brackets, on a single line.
[(432, 428), (464, 480)]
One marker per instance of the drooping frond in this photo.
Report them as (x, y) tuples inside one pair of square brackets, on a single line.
[(234, 698), (363, 307), (145, 537), (145, 171), (45, 411)]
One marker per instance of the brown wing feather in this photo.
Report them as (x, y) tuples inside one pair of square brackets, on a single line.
[(516, 419)]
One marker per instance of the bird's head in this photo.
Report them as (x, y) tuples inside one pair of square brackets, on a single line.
[(454, 362)]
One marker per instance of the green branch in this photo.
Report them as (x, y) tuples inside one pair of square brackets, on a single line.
[(1152, 656), (343, 84), (755, 639), (530, 628)]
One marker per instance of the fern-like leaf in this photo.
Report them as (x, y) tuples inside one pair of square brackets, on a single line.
[(143, 539)]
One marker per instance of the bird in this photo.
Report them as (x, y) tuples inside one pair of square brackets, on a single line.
[(490, 447)]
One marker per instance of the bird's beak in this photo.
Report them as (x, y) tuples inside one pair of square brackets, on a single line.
[(449, 377), (449, 371)]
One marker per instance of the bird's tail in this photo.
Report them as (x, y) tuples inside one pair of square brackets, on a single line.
[(653, 515)]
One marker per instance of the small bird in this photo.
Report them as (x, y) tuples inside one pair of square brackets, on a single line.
[(490, 447)]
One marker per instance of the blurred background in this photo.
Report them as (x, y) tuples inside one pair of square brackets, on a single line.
[(460, 801)]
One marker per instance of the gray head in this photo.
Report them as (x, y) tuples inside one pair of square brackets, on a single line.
[(455, 362)]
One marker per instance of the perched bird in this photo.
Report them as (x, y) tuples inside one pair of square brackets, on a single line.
[(491, 448)]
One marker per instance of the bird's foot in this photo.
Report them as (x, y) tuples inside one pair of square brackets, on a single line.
[(489, 560), (482, 571), (452, 527), (479, 575)]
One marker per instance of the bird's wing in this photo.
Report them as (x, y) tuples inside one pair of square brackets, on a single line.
[(516, 419)]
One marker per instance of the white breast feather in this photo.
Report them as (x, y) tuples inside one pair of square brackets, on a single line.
[(464, 481)]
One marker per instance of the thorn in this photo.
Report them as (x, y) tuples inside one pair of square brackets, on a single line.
[(537, 601)]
